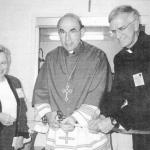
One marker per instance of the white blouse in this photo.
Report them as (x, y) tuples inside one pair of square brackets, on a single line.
[(7, 99)]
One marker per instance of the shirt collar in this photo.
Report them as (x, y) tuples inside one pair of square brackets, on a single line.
[(77, 50)]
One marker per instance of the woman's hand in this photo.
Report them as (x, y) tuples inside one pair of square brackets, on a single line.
[(6, 119)]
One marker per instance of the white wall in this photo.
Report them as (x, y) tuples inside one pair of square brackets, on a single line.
[(17, 28)]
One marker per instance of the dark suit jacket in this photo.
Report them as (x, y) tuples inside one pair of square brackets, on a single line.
[(21, 123), (129, 103)]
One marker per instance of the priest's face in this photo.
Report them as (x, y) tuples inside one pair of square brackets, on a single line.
[(125, 28), (70, 33), (3, 65)]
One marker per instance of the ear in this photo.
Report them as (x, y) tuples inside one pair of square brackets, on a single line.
[(136, 24), (83, 31)]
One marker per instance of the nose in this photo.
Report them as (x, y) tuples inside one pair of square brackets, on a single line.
[(118, 34), (67, 37)]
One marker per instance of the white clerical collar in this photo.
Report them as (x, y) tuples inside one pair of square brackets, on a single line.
[(71, 52), (129, 51)]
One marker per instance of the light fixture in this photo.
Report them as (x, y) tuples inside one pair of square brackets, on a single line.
[(54, 36), (87, 36)]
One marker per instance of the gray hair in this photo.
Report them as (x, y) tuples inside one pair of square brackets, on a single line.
[(7, 54), (72, 16), (121, 10)]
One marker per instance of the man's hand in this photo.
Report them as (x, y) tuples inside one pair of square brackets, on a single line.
[(100, 124), (68, 124), (52, 119), (19, 143), (6, 119)]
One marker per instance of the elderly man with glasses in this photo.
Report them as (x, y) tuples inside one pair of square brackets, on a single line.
[(128, 104)]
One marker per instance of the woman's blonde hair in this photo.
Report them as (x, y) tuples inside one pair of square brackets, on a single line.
[(7, 54)]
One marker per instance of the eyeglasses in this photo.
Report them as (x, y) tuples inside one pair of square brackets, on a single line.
[(122, 29)]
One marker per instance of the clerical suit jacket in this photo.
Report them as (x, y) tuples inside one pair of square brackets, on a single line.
[(129, 100)]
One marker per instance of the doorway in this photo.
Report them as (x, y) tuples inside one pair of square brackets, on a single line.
[(97, 33)]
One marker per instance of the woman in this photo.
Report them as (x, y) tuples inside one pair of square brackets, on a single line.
[(13, 121)]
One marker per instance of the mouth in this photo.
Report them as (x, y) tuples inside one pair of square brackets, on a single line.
[(68, 43), (121, 40), (69, 47), (1, 72)]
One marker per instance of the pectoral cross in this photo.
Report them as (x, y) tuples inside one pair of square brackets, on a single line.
[(67, 91), (66, 138)]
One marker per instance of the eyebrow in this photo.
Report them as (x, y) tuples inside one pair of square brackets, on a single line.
[(73, 29)]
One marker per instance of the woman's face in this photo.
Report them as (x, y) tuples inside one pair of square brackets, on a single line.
[(3, 65)]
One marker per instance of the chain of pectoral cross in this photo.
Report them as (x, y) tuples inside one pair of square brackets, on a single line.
[(67, 89)]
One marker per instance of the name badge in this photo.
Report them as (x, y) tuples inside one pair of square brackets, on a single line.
[(138, 79)]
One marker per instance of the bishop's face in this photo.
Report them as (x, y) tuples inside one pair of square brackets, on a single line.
[(70, 33), (124, 27), (3, 65)]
